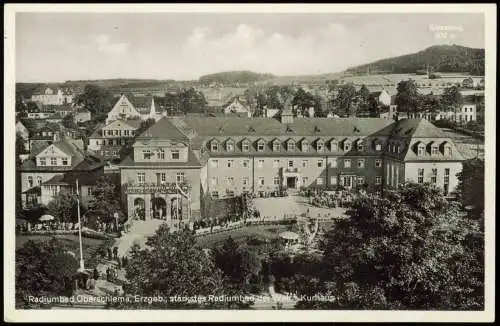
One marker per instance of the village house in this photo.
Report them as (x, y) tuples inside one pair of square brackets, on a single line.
[(46, 172), (179, 161), (110, 139), (82, 115), (53, 96), (137, 108), (382, 97), (236, 106)]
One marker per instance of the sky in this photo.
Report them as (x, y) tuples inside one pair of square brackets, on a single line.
[(55, 47)]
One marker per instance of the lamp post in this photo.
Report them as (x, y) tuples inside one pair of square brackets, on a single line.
[(82, 266)]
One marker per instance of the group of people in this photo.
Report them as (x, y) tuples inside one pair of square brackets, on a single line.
[(335, 199), (46, 226)]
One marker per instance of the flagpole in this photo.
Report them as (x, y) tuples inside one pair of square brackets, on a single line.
[(82, 268)]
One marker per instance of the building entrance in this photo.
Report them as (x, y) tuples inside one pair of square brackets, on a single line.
[(291, 182)]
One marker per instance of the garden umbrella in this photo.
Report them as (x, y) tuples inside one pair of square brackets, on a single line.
[(46, 217), (288, 235)]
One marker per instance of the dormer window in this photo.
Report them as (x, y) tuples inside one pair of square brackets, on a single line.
[(290, 145), (276, 146), (447, 149), (361, 145), (421, 149), (320, 145), (347, 145), (434, 149), (229, 145), (245, 145), (334, 145), (214, 145), (305, 146), (260, 145)]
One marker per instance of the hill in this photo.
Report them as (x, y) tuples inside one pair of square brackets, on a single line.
[(440, 58), (233, 77)]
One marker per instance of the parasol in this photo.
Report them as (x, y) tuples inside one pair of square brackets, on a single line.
[(46, 217), (288, 235)]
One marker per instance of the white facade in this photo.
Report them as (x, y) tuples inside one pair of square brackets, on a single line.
[(51, 97), (446, 173), (237, 107), (122, 110)]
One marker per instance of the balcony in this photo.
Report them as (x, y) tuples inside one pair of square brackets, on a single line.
[(291, 170), (145, 188)]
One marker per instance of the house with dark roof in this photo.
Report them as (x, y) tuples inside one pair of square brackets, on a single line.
[(111, 138), (179, 162), (43, 173)]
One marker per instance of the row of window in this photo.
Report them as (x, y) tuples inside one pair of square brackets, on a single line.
[(291, 145), (434, 176), (114, 142), (160, 177), (118, 132), (345, 181), (148, 154), (305, 163), (53, 161), (30, 181), (434, 149)]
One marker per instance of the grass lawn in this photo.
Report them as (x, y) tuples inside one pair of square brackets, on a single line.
[(240, 235), (90, 246)]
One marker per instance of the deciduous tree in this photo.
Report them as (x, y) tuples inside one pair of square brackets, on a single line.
[(64, 207), (403, 251), (43, 269), (407, 97), (171, 266)]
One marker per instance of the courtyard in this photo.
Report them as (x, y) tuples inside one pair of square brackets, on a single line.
[(278, 207)]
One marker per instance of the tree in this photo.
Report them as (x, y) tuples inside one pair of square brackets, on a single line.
[(345, 97), (106, 199), (64, 207), (43, 269), (407, 97), (191, 101), (303, 100), (363, 92), (96, 99), (405, 250), (172, 266), (470, 188), (69, 121), (238, 263), (20, 145), (452, 98), (430, 103), (373, 107)]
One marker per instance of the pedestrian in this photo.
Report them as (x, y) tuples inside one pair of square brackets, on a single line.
[(110, 255), (115, 252), (96, 273), (119, 262)]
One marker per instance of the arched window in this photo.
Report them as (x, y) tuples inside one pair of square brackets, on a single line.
[(261, 144), (245, 145), (229, 145), (420, 149), (347, 145), (305, 145), (320, 145), (334, 145), (214, 146)]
